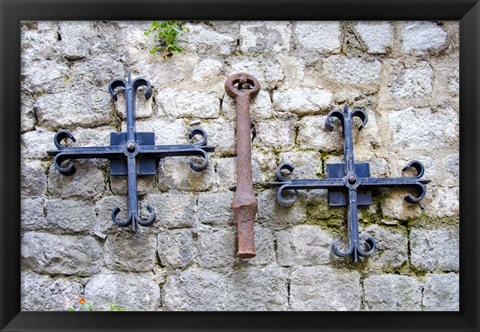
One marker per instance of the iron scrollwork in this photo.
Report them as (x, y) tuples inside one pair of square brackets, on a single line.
[(130, 153), (349, 184)]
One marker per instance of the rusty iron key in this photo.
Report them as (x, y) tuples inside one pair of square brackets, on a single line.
[(243, 87)]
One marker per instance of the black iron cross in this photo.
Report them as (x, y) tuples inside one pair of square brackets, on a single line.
[(350, 183), (130, 153)]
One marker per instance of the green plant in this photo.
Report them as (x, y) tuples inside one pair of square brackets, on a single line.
[(166, 35), (87, 306)]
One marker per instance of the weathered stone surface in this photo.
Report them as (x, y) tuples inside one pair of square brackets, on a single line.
[(130, 252), (99, 136), (175, 173), (263, 166), (257, 290), (32, 213), (442, 202), (34, 144), (44, 293), (435, 249), (77, 107), (207, 71), (266, 71), (308, 164), (87, 181), (76, 39), (130, 291), (216, 208), (216, 247), (167, 131), (44, 76), (181, 103), (304, 245), (413, 82), (173, 210), (226, 170), (70, 216), (452, 164), (28, 118), (195, 290), (266, 36), (274, 216), (39, 41), (441, 292), (143, 106), (352, 70), (377, 36), (175, 248), (104, 208), (392, 246), (33, 180), (308, 33), (425, 130), (264, 247), (61, 254), (418, 37), (260, 107), (302, 100), (454, 80), (145, 185), (392, 293), (221, 135), (313, 135), (321, 288), (275, 134), (202, 39)]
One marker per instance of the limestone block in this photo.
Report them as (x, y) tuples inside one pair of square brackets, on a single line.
[(87, 181), (323, 37), (82, 106), (352, 70), (175, 248), (216, 208), (377, 36), (304, 245), (262, 289), (207, 71), (130, 252), (435, 249), (441, 292), (61, 254), (274, 216), (33, 180), (187, 104), (302, 100), (392, 246), (267, 71), (216, 247), (413, 82), (203, 39), (275, 134), (130, 291), (265, 36), (175, 173), (419, 37), (32, 213), (70, 216), (173, 210), (195, 290), (44, 293), (392, 293), (321, 288), (313, 135)]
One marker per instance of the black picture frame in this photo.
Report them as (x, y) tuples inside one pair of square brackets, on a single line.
[(12, 12)]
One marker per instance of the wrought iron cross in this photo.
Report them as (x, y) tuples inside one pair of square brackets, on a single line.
[(349, 184), (131, 153)]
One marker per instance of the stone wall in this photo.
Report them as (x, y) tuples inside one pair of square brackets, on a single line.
[(405, 76)]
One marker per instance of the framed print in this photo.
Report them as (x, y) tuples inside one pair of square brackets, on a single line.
[(269, 165)]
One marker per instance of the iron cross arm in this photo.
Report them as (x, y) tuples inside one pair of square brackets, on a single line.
[(132, 153), (349, 184)]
